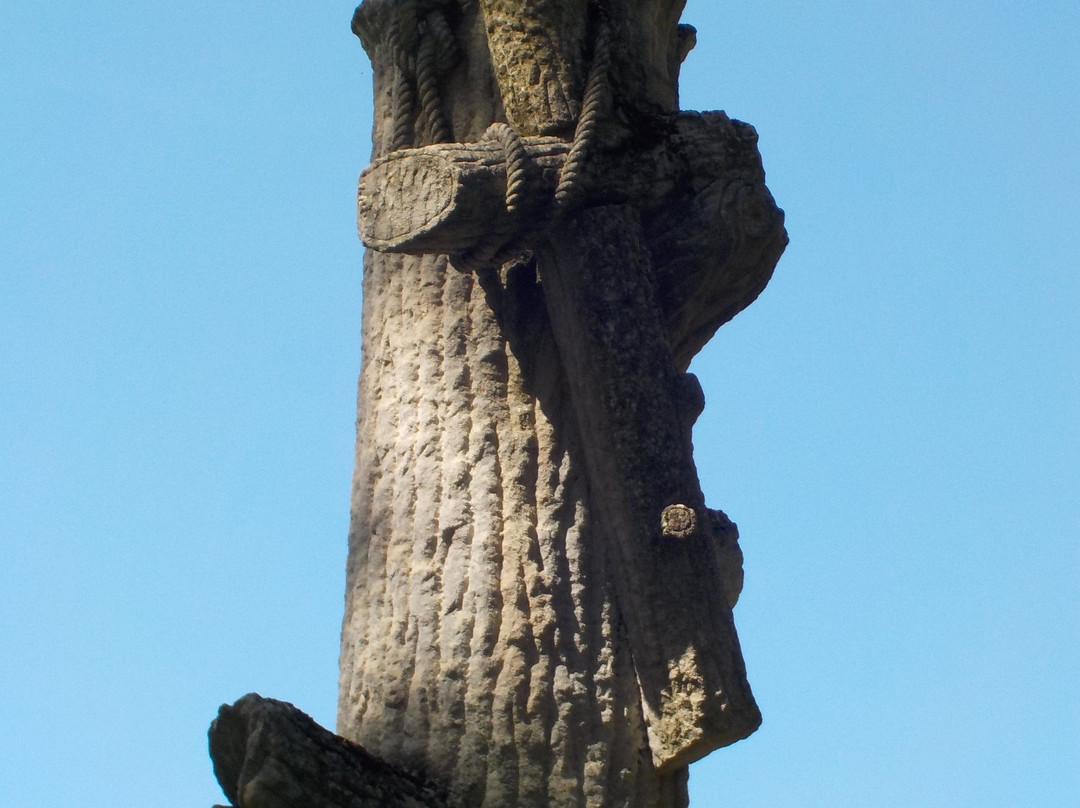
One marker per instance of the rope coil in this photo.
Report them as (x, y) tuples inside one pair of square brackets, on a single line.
[(415, 98), (516, 162), (596, 96), (495, 249), (435, 127), (403, 99)]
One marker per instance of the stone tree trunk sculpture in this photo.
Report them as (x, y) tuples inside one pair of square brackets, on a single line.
[(538, 606)]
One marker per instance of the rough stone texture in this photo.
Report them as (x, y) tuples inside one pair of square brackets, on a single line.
[(538, 603), (538, 54), (482, 641), (268, 754), (636, 412), (712, 229), (521, 623)]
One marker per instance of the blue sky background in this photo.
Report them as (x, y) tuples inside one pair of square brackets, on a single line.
[(895, 424)]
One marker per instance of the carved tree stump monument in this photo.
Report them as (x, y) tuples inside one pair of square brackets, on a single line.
[(538, 606)]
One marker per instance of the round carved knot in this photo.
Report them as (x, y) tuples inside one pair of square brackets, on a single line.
[(678, 521)]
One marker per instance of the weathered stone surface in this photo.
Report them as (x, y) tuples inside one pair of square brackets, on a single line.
[(712, 229), (527, 621), (627, 394), (538, 602), (482, 642), (268, 754), (445, 198), (538, 52)]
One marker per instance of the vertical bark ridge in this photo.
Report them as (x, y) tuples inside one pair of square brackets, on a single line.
[(556, 515), (511, 773), (371, 525), (404, 582), (427, 585), (395, 504), (455, 528), (484, 596), (514, 690)]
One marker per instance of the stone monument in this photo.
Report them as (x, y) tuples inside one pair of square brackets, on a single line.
[(539, 603)]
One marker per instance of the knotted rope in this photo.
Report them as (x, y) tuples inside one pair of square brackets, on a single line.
[(516, 161), (495, 248)]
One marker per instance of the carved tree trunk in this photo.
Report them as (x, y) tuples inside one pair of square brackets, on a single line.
[(490, 639)]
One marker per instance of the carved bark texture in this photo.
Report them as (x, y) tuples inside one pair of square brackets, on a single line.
[(485, 640), (712, 229), (482, 641), (636, 412), (268, 754), (538, 51)]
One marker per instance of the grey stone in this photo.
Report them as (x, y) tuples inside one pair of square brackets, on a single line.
[(538, 603)]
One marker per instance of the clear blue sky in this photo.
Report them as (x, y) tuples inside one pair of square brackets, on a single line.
[(895, 424)]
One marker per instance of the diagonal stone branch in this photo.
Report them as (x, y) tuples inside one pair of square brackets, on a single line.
[(637, 412), (269, 754)]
